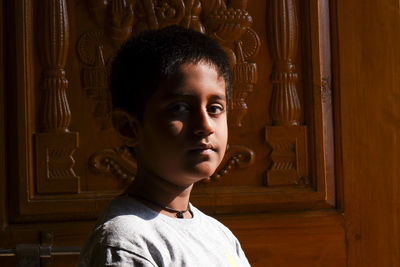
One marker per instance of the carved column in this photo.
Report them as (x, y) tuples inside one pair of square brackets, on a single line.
[(55, 115), (285, 104), (55, 144), (287, 138)]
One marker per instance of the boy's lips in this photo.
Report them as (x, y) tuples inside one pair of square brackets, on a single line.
[(203, 148)]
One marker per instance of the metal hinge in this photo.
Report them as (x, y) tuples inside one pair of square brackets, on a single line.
[(33, 255)]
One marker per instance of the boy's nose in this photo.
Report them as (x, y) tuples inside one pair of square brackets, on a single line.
[(202, 124)]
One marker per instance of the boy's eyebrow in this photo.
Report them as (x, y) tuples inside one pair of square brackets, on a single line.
[(219, 97), (189, 95)]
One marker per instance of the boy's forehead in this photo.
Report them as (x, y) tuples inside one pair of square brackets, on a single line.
[(191, 79)]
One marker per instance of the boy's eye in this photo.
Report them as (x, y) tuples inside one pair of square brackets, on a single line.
[(179, 108), (215, 109)]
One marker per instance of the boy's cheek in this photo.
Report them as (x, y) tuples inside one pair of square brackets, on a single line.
[(175, 127)]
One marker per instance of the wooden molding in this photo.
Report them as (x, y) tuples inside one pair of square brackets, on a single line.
[(3, 131)]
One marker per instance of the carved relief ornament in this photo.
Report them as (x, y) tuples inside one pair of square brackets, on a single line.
[(236, 156), (118, 162), (55, 144), (228, 24), (285, 104), (287, 138)]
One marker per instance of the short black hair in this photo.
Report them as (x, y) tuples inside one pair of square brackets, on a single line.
[(148, 57)]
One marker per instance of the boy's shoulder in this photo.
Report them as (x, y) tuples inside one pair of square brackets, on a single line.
[(126, 208), (125, 218), (127, 225), (128, 219), (122, 228)]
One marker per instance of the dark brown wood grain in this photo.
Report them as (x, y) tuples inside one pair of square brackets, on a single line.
[(369, 59)]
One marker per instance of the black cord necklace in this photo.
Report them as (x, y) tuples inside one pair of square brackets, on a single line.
[(178, 213)]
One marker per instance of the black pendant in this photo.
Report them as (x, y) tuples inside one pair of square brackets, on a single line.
[(179, 214)]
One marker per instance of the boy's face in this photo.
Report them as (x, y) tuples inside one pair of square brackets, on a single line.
[(184, 132)]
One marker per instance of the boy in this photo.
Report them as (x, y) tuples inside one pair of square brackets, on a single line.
[(170, 92)]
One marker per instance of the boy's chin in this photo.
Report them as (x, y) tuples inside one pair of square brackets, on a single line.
[(202, 172)]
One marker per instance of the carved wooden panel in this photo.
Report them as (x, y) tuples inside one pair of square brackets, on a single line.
[(63, 161), (288, 140), (283, 43), (54, 143), (289, 156), (280, 154)]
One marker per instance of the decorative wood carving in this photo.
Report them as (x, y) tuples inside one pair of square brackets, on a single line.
[(120, 163), (121, 21), (56, 114), (288, 156), (42, 156), (117, 161), (54, 143), (235, 157), (229, 25), (288, 139), (244, 77), (285, 104), (191, 19), (95, 75)]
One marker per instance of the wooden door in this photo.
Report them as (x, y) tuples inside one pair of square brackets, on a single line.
[(292, 185)]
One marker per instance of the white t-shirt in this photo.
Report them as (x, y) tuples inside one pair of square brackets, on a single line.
[(131, 234)]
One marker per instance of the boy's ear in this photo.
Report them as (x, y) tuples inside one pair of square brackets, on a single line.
[(127, 126)]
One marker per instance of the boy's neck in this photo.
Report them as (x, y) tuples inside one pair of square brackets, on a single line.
[(157, 190)]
